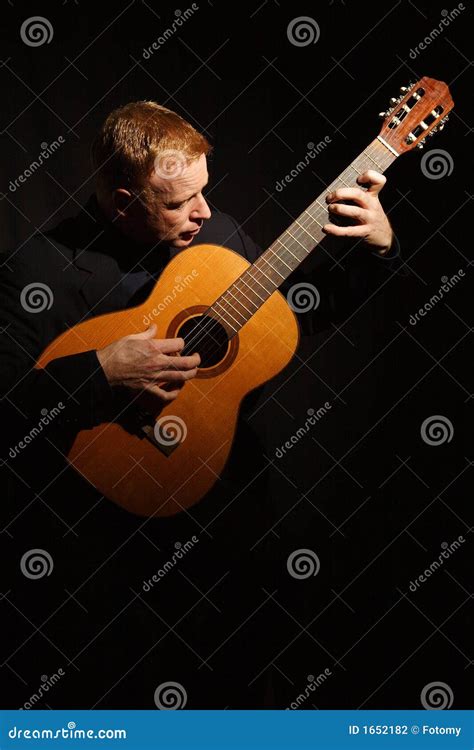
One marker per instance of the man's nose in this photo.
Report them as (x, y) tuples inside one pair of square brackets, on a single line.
[(201, 211)]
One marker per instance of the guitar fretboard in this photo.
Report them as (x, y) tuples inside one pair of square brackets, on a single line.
[(246, 295)]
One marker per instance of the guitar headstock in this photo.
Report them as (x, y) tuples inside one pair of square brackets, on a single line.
[(419, 112)]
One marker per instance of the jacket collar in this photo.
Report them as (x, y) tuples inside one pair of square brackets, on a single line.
[(103, 255)]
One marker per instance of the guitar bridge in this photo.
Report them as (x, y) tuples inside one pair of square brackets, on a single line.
[(166, 447)]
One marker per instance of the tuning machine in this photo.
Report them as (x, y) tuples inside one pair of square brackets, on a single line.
[(396, 100)]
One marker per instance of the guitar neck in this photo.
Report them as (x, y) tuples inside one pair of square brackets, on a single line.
[(248, 293)]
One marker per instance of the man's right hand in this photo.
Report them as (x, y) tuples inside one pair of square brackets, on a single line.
[(140, 361)]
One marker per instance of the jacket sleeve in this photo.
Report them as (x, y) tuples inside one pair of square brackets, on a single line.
[(75, 385)]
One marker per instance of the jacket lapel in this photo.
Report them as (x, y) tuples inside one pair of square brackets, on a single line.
[(101, 287)]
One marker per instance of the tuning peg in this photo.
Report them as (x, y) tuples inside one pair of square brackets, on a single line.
[(383, 115), (440, 127), (421, 144), (393, 101), (403, 89)]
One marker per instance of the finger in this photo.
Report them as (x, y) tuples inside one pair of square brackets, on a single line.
[(183, 363), (163, 394), (148, 334), (372, 180), (353, 194), (169, 346), (354, 212), (173, 376), (362, 230)]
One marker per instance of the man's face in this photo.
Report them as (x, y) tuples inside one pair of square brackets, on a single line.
[(177, 209)]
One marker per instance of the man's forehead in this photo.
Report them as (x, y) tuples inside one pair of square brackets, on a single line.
[(179, 178)]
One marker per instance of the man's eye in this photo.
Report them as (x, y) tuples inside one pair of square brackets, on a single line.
[(175, 206)]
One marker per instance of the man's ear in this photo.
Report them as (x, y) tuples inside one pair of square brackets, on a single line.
[(121, 202)]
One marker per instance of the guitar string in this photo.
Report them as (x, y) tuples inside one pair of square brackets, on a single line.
[(210, 325), (301, 222), (205, 330)]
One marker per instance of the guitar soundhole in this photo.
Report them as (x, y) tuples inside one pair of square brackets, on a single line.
[(206, 336)]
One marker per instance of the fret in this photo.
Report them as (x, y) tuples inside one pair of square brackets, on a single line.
[(251, 288), (300, 243), (276, 253), (272, 267), (250, 301), (319, 204), (262, 271), (223, 317), (254, 279), (239, 302), (305, 230), (233, 306), (288, 251), (233, 309), (294, 256), (373, 160), (357, 171), (325, 208)]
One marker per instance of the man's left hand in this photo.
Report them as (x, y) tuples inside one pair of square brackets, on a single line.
[(372, 225)]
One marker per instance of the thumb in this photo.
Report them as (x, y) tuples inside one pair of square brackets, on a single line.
[(149, 333)]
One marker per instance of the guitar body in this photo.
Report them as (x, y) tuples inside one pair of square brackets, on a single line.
[(189, 440)]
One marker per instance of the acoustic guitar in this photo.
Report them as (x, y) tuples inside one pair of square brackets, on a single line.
[(160, 463)]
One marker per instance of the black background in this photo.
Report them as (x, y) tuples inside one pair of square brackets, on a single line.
[(367, 494)]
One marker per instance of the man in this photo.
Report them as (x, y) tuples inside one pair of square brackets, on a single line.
[(149, 205)]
